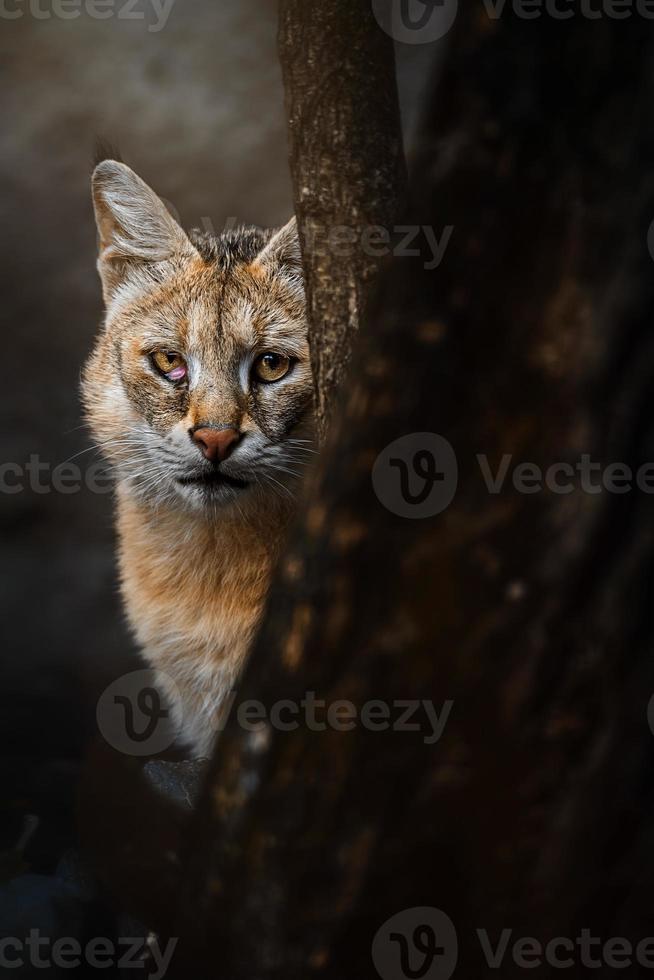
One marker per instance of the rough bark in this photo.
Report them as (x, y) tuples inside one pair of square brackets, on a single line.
[(348, 168), (347, 165), (531, 611)]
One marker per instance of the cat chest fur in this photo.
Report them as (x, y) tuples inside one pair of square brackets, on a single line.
[(194, 594)]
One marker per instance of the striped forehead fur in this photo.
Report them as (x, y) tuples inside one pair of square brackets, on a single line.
[(240, 245), (219, 302)]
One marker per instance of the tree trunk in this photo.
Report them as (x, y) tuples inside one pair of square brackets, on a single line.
[(530, 611), (347, 165)]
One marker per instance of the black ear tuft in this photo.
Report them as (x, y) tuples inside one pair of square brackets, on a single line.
[(105, 150)]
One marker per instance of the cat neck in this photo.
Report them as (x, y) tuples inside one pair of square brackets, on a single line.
[(252, 529)]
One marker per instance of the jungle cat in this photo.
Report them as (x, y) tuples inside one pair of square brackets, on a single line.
[(199, 393)]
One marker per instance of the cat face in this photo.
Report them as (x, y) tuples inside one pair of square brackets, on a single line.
[(199, 389)]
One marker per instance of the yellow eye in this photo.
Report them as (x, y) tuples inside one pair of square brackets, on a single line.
[(272, 367), (172, 365)]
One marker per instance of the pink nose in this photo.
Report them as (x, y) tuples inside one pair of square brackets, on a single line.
[(216, 444)]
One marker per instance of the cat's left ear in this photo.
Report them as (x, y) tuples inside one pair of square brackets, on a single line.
[(135, 229), (284, 251)]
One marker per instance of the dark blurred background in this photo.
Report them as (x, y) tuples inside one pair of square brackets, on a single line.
[(197, 109)]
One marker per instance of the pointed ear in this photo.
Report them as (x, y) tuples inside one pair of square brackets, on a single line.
[(283, 250), (134, 227)]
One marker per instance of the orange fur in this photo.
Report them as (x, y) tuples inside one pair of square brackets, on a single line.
[(197, 538), (194, 593)]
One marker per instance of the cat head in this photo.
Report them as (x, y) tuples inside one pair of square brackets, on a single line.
[(199, 389)]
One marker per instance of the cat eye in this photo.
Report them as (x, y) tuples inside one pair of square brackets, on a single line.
[(171, 365), (271, 367)]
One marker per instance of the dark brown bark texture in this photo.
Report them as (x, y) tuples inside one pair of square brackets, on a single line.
[(532, 612), (346, 162)]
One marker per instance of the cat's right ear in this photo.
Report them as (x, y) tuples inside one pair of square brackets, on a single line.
[(283, 250), (135, 230)]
